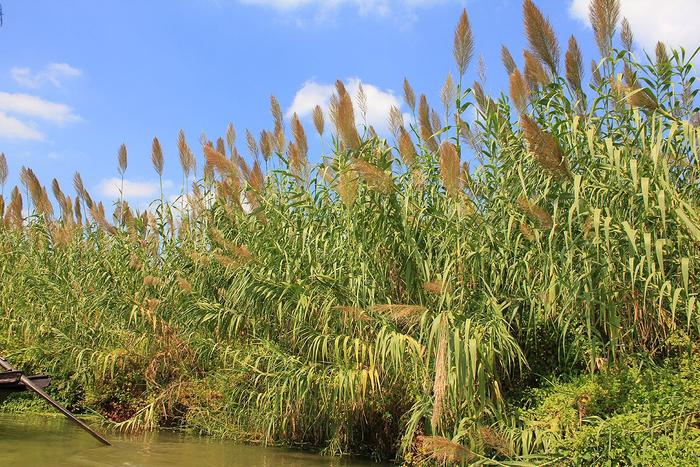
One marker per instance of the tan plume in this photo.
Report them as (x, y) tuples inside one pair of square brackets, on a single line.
[(519, 91), (604, 15), (540, 35), (450, 168), (463, 43), (574, 65), (318, 120), (507, 60), (157, 156), (122, 159), (545, 148)]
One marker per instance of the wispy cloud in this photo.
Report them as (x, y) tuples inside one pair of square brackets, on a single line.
[(654, 20), (149, 190), (36, 107), (325, 8), (379, 101), (12, 128), (53, 73)]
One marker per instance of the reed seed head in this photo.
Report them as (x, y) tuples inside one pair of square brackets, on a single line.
[(187, 160), (507, 60), (541, 37), (604, 15), (230, 137), (448, 93), (409, 96), (406, 148), (574, 65), (157, 156), (346, 118), (443, 451), (4, 172), (534, 73), (536, 213), (519, 91), (463, 43), (450, 169), (301, 143), (122, 159), (426, 127), (544, 148), (318, 119), (395, 121), (626, 35), (252, 144)]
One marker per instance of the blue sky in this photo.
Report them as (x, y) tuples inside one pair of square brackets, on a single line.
[(79, 78)]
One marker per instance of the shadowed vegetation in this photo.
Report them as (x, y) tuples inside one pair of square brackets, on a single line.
[(391, 300)]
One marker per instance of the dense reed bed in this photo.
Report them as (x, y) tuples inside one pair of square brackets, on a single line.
[(392, 300)]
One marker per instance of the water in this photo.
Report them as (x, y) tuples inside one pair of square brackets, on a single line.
[(28, 440)]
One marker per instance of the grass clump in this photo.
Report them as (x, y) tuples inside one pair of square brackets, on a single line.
[(392, 300)]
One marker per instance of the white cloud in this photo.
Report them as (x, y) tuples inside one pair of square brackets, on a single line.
[(670, 21), (379, 101), (33, 106), (364, 7), (53, 73), (110, 187), (13, 129)]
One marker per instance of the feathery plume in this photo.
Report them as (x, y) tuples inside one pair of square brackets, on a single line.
[(661, 55), (187, 160), (220, 147), (252, 144), (78, 211), (534, 73), (426, 128), (395, 120), (230, 138), (536, 213), (376, 179), (218, 161), (346, 118), (527, 232), (13, 216), (409, 96), (362, 102), (435, 122), (540, 35), (463, 43), (4, 172), (347, 188), (406, 148), (626, 34), (448, 93), (604, 15), (508, 61), (276, 110), (443, 451), (157, 156), (544, 147), (266, 144), (519, 91), (121, 157), (300, 141), (449, 168), (574, 65), (318, 120)]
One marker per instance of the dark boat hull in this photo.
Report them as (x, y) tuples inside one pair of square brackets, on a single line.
[(10, 383)]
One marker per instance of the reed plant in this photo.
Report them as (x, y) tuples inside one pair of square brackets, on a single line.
[(393, 300)]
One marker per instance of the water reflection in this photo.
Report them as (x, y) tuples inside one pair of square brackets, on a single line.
[(49, 441)]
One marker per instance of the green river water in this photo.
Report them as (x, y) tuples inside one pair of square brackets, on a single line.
[(29, 440)]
